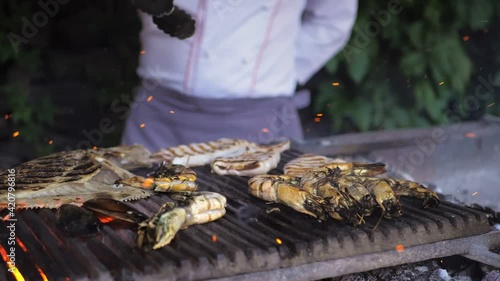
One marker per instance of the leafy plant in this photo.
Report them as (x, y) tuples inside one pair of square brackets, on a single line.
[(406, 65)]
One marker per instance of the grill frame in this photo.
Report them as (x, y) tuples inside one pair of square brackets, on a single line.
[(245, 240)]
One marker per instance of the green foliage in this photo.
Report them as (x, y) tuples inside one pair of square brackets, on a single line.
[(404, 66)]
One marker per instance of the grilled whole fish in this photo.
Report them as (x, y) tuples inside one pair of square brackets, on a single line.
[(257, 162), (199, 154), (67, 177), (299, 166)]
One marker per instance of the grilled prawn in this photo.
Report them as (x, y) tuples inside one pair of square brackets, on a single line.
[(194, 208), (286, 190)]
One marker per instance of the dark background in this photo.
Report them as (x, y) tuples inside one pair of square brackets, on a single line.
[(408, 64)]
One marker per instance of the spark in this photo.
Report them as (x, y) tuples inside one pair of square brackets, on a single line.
[(317, 119), (400, 248), (319, 115), (474, 194), (214, 238), (15, 134), (491, 104), (142, 52), (279, 241), (470, 135), (51, 142), (172, 112), (149, 98), (335, 84), (94, 147), (466, 38), (12, 268), (21, 245), (441, 83), (142, 125), (42, 274), (265, 130)]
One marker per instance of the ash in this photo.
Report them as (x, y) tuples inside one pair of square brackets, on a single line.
[(454, 268)]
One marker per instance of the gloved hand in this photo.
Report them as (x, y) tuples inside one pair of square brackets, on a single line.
[(169, 18)]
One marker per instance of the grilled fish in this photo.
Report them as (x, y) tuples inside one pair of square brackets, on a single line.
[(258, 161), (199, 154), (299, 166)]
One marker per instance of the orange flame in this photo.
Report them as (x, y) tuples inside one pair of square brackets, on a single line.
[(142, 52), (15, 134), (214, 238), (319, 115), (466, 38), (42, 274), (400, 248), (12, 268), (51, 142), (335, 84), (105, 219), (21, 244), (279, 241), (142, 125), (317, 119), (94, 147), (149, 98)]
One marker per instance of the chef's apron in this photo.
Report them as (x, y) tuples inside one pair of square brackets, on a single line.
[(161, 118)]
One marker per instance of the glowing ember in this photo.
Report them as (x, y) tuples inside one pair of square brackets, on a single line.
[(15, 134), (400, 248), (466, 38), (319, 114), (148, 183), (105, 219), (441, 83), (94, 147), (265, 130), (51, 142), (42, 274), (6, 116), (142, 125), (470, 135), (317, 119), (172, 112), (149, 98), (21, 245), (214, 238), (142, 52), (335, 84), (279, 241), (12, 268), (474, 194), (491, 104)]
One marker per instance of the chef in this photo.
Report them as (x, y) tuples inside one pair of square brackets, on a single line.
[(236, 76)]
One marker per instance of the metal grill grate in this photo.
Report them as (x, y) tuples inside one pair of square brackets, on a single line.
[(243, 241)]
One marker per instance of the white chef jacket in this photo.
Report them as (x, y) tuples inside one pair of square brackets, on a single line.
[(246, 48)]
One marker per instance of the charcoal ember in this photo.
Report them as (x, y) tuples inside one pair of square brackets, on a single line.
[(178, 24), (154, 7), (74, 220)]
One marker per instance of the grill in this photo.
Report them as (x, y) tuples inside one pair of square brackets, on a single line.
[(254, 240)]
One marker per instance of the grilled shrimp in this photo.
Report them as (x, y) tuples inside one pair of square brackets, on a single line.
[(285, 189), (414, 189), (167, 178), (194, 208)]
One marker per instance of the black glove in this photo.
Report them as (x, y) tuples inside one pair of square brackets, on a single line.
[(169, 18)]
